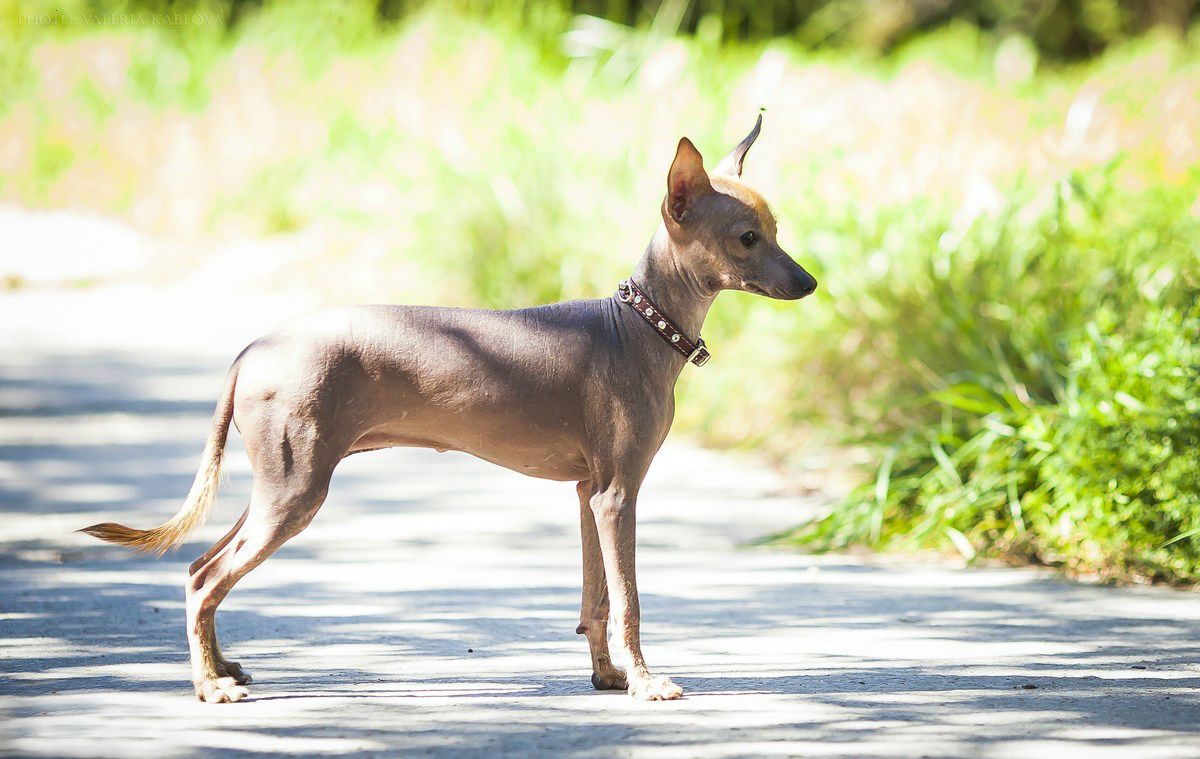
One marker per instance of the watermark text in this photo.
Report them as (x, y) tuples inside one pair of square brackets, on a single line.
[(133, 18)]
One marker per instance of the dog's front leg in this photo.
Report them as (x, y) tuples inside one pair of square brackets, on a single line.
[(614, 510), (593, 611)]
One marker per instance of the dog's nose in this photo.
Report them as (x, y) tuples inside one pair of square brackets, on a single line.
[(808, 285)]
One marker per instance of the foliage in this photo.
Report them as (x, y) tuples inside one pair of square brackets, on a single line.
[(1060, 29), (1060, 424)]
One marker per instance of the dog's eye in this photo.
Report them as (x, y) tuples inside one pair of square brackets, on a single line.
[(748, 239)]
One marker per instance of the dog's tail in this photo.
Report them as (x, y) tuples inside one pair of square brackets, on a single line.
[(199, 501)]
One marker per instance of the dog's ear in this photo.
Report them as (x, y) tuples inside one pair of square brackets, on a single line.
[(731, 165), (686, 181)]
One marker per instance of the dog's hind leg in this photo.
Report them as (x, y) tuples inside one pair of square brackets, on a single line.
[(225, 667), (278, 511), (593, 611)]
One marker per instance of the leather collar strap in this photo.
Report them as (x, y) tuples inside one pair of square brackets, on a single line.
[(629, 292)]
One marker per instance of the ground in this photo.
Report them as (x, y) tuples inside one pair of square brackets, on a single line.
[(430, 607)]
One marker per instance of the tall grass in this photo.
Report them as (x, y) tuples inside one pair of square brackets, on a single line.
[(1007, 250), (1034, 388)]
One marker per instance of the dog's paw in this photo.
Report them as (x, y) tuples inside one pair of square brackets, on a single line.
[(610, 679), (658, 688), (220, 690), (232, 669)]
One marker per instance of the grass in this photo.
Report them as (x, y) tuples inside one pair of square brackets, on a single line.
[(1007, 248), (1045, 408)]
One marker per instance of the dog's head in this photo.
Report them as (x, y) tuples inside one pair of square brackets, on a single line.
[(724, 230)]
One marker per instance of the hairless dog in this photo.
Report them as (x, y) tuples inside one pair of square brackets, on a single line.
[(580, 391)]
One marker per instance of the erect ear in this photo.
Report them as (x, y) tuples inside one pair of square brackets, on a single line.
[(686, 181), (731, 165)]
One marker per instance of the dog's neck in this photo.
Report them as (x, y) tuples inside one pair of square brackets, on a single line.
[(677, 292)]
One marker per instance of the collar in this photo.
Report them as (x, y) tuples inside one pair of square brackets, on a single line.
[(629, 292)]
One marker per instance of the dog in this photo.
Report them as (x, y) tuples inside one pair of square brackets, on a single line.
[(581, 391)]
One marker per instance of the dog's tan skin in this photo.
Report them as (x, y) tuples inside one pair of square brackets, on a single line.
[(579, 391)]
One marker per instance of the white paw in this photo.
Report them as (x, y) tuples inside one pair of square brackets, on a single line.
[(220, 690), (659, 688)]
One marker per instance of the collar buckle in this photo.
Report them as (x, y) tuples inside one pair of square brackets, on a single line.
[(624, 291)]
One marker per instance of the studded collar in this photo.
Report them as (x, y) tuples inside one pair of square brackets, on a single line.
[(629, 292)]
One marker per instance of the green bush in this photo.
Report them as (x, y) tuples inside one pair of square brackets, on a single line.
[(1060, 416)]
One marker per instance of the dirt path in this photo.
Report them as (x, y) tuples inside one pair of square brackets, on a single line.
[(430, 607)]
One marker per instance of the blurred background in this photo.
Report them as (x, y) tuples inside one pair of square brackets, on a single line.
[(1000, 201)]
